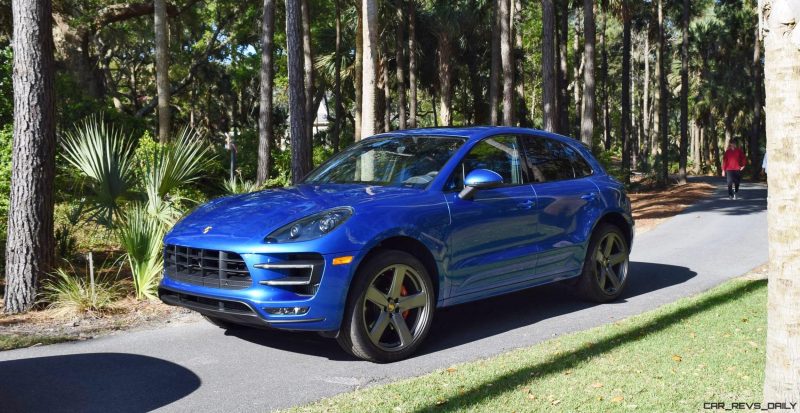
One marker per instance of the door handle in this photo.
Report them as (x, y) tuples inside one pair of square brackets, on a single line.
[(591, 197), (525, 205)]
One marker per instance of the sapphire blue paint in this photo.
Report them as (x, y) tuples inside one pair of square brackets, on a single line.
[(500, 240)]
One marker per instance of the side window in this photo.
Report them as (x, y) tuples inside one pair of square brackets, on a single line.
[(500, 154), (551, 160)]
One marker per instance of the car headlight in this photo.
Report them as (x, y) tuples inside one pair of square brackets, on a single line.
[(310, 227)]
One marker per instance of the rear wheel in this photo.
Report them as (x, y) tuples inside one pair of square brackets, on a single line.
[(605, 269), (390, 308)]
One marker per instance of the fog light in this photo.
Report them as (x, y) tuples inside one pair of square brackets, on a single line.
[(287, 310)]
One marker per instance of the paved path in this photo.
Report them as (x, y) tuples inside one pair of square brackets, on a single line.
[(198, 367)]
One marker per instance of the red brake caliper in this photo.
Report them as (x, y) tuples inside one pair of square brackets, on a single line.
[(403, 293)]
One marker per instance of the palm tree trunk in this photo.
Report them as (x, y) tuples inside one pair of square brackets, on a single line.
[(563, 74), (507, 61), (308, 71), (684, 94), (782, 81), (30, 243), (301, 156), (369, 11), (162, 68), (444, 56), (755, 133), (412, 64), (358, 82), (387, 90), (401, 64), (625, 99), (549, 116), (663, 101), (265, 137), (337, 79), (496, 68), (587, 120)]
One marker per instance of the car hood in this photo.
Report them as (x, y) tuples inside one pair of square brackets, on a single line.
[(255, 215)]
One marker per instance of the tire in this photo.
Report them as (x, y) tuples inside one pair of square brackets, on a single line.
[(376, 304), (605, 269), (221, 323)]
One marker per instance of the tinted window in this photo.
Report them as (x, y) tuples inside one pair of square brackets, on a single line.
[(499, 154), (551, 160)]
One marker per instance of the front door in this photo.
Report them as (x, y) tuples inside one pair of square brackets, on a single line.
[(490, 237)]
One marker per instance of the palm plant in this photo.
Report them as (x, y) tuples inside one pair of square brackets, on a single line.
[(105, 156), (140, 234), (237, 185)]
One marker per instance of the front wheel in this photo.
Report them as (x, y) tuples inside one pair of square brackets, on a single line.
[(389, 309), (605, 270)]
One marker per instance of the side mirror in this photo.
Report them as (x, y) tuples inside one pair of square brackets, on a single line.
[(480, 179)]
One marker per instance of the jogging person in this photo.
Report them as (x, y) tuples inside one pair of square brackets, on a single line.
[(732, 164)]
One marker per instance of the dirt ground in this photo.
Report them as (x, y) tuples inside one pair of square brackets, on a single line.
[(44, 326)]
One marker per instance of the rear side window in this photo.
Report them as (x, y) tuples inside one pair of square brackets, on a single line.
[(500, 154), (551, 160)]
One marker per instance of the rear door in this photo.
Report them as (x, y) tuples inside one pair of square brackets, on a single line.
[(490, 237), (567, 204)]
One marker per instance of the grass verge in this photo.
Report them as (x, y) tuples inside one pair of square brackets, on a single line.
[(12, 341), (706, 348)]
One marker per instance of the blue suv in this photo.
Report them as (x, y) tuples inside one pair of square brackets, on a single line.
[(373, 241)]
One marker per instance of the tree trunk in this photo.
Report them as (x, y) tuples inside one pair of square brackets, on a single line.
[(301, 156), (587, 120), (604, 78), (30, 243), (549, 116), (496, 68), (782, 86), (577, 70), (265, 137), (684, 94), (521, 111), (663, 100), (162, 68), (444, 56), (337, 79), (412, 64), (387, 90), (507, 61), (401, 64), (563, 70), (308, 72), (755, 133), (646, 94), (369, 10), (625, 99), (358, 83)]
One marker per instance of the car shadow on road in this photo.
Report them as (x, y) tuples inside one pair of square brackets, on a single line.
[(462, 324), (474, 321), (94, 382)]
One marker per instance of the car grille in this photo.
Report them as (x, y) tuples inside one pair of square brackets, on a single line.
[(209, 268)]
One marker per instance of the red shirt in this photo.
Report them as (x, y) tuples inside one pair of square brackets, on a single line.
[(733, 160)]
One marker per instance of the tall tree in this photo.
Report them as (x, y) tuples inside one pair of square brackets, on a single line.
[(625, 98), (684, 93), (308, 72), (369, 12), (587, 119), (663, 99), (604, 78), (496, 65), (562, 68), (758, 83), (646, 93), (265, 127), (507, 61), (162, 68), (358, 79), (781, 22), (400, 60), (549, 116), (30, 243), (412, 64), (301, 154)]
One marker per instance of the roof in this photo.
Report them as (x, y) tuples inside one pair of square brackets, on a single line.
[(470, 132)]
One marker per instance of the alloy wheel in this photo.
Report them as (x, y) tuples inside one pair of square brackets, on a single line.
[(611, 263)]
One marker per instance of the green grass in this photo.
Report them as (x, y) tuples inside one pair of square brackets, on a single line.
[(12, 341), (702, 349)]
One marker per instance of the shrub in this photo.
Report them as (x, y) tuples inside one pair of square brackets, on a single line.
[(239, 186), (71, 294), (140, 234)]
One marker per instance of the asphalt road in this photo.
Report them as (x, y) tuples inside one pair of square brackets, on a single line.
[(198, 367)]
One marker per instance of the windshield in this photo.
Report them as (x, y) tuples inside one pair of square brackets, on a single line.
[(407, 161)]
